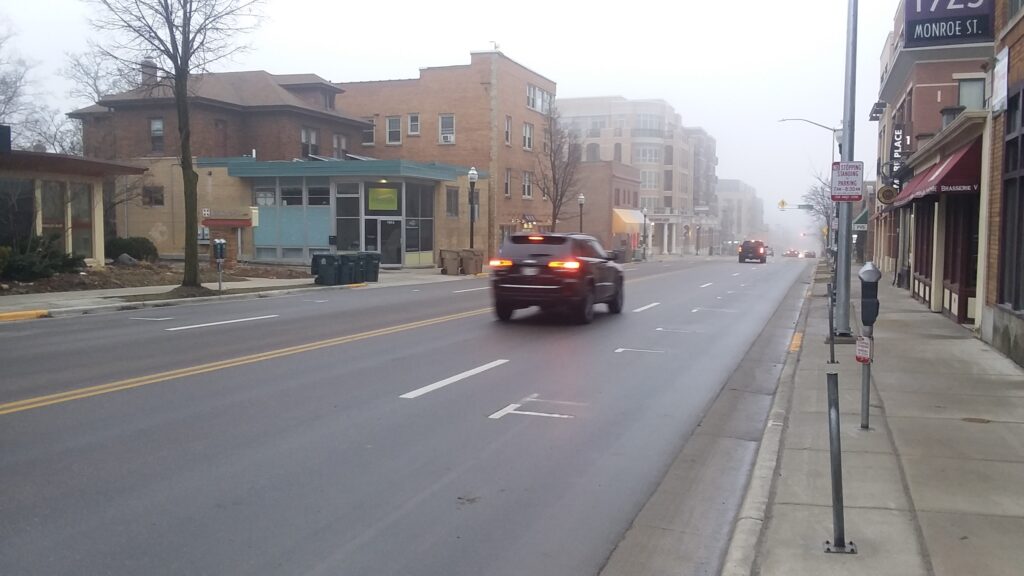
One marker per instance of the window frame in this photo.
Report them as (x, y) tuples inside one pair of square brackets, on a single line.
[(1010, 293), (390, 130), (451, 202), (371, 132), (527, 185), (149, 196), (527, 136), (309, 138), (157, 142), (508, 130), (415, 123), (442, 131)]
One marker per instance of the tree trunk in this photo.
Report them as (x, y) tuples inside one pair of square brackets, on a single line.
[(191, 182)]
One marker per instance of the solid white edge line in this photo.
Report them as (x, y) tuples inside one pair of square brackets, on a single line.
[(442, 383), (619, 350), (706, 285), (153, 319), (470, 290), (506, 410), (220, 323), (648, 307)]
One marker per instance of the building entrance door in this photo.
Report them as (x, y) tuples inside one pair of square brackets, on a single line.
[(384, 236)]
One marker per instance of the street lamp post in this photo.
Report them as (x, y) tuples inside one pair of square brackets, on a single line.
[(473, 175), (580, 200), (837, 133), (644, 211)]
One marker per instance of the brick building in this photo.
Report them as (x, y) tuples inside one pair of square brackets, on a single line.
[(491, 114), (1002, 264)]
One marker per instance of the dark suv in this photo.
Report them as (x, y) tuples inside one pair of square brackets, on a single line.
[(555, 271), (753, 250)]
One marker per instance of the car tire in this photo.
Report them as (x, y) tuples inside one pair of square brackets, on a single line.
[(764, 260), (741, 259), (503, 311), (615, 304), (585, 308)]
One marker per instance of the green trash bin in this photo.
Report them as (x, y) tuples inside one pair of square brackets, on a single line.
[(346, 268), (358, 267), (326, 269), (372, 266)]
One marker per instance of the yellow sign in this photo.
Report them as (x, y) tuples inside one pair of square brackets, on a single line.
[(383, 199), (782, 204)]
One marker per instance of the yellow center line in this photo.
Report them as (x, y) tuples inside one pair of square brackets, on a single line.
[(798, 340), (40, 401)]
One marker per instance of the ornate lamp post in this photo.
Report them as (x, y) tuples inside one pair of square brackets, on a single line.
[(472, 203), (580, 200), (644, 211)]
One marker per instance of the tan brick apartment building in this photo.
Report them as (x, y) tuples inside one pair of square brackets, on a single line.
[(490, 114), (1002, 323), (740, 211)]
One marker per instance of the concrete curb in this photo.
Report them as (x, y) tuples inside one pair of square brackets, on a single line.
[(23, 315), (743, 545)]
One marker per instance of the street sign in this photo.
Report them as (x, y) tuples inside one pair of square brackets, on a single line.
[(860, 227), (864, 349), (805, 206), (847, 181)]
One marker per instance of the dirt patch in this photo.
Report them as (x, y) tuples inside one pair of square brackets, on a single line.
[(144, 274)]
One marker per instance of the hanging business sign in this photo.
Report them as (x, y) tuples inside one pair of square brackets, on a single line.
[(1000, 78), (896, 154), (944, 22)]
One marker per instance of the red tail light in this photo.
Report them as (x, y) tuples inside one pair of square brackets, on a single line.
[(567, 265), (536, 238), (760, 250), (500, 263)]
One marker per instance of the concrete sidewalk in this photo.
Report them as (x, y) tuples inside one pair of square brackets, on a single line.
[(27, 306), (935, 486)]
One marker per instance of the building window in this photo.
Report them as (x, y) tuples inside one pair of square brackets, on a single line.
[(153, 196), (649, 180), (1015, 6), (310, 145), (1011, 250), (527, 184), (669, 155), (617, 155), (618, 197), (414, 124), (291, 191), (647, 154), (538, 99), (527, 136), (156, 134), (368, 133), (508, 130), (264, 191), (593, 152), (446, 129), (394, 124), (452, 202), (508, 182), (667, 181), (972, 94), (318, 190), (340, 144)]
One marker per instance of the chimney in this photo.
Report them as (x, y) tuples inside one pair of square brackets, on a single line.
[(149, 71)]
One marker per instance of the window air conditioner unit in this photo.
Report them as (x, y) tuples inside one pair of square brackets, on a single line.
[(447, 138)]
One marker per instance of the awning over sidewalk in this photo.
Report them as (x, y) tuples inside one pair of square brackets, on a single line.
[(860, 224), (958, 173), (628, 216)]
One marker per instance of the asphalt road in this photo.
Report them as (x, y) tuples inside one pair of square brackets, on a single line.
[(381, 431)]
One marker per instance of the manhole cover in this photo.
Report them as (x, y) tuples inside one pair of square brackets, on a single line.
[(977, 420)]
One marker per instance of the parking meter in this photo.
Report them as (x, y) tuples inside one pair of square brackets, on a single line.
[(869, 276), (219, 250)]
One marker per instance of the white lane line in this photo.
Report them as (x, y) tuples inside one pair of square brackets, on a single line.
[(416, 290), (219, 323), (648, 307), (702, 309), (619, 350), (470, 290), (718, 297), (545, 414), (706, 285), (629, 269), (153, 319), (534, 398), (677, 331), (736, 274), (506, 410), (442, 383), (316, 301)]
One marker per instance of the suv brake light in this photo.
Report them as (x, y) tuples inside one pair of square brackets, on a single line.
[(567, 265), (536, 238), (500, 263), (760, 250)]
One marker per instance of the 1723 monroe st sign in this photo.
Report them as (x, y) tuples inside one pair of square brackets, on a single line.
[(941, 22)]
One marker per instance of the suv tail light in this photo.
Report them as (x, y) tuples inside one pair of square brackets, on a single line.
[(566, 265), (760, 250), (500, 263)]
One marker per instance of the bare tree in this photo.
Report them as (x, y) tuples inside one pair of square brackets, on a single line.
[(823, 208), (557, 165), (181, 38), (15, 100), (51, 130), (95, 75)]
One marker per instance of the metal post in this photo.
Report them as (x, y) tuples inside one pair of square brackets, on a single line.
[(865, 394), (472, 212), (831, 326), (581, 218), (845, 208), (220, 275), (838, 543)]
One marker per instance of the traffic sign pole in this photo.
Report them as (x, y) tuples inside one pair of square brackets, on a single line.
[(845, 208)]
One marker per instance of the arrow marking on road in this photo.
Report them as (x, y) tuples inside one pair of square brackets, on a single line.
[(442, 383), (514, 409), (619, 350), (220, 323), (648, 307)]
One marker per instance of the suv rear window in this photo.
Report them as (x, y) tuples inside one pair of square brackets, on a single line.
[(535, 246)]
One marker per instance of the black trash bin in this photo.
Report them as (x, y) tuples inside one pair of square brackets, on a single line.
[(372, 272), (326, 269), (358, 267), (346, 268)]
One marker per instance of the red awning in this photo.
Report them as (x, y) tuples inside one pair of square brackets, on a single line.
[(958, 173)]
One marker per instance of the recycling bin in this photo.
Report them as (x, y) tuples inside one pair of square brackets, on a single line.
[(346, 268), (372, 271), (472, 261), (326, 269)]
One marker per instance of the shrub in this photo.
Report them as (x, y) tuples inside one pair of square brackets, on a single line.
[(43, 257), (138, 247)]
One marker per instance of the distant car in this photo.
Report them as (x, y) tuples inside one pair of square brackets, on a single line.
[(554, 271), (752, 250), (771, 251), (790, 254), (810, 254)]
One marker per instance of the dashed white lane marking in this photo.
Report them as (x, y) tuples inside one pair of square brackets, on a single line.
[(629, 269), (648, 307), (316, 301), (153, 319), (702, 309), (619, 350), (706, 285), (676, 330), (219, 323), (442, 383), (736, 274), (470, 290)]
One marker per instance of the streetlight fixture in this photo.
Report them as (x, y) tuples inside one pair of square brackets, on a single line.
[(837, 133), (580, 200), (473, 175), (644, 211)]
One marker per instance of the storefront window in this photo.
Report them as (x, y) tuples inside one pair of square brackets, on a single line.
[(81, 219)]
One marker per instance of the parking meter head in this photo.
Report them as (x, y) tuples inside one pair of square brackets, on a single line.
[(870, 273)]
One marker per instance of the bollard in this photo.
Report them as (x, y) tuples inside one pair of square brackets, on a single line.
[(831, 326), (838, 543)]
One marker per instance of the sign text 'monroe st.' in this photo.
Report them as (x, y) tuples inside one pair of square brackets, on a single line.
[(941, 22)]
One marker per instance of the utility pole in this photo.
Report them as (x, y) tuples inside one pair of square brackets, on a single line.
[(845, 208)]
